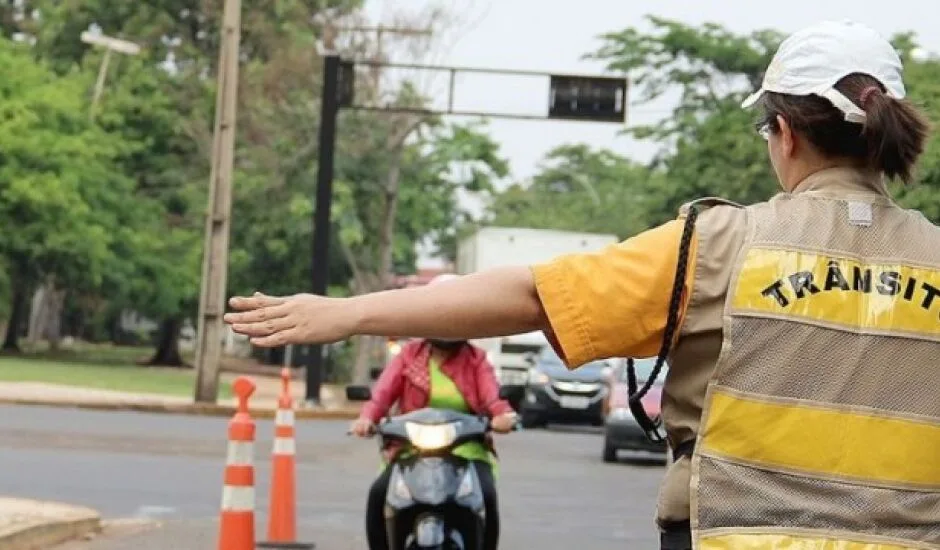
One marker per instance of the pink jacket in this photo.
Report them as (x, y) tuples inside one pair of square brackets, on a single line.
[(407, 381)]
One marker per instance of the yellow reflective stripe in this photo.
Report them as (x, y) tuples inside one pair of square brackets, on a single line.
[(843, 291), (854, 445), (789, 542)]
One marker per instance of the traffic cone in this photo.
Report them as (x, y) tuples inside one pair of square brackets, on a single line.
[(282, 511), (237, 520)]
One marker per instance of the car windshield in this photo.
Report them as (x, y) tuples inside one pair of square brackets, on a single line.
[(644, 369), (550, 361)]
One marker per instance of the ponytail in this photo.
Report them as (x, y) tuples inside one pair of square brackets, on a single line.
[(894, 132)]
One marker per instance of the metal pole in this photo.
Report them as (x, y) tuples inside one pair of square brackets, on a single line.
[(329, 108), (218, 218)]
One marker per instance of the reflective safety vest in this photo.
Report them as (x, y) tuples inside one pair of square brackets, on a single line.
[(821, 427)]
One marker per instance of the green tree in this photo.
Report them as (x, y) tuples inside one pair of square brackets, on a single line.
[(709, 146), (581, 189), (62, 199), (163, 99), (398, 192)]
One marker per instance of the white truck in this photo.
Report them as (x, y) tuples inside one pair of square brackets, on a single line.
[(503, 246)]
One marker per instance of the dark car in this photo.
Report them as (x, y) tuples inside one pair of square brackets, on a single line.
[(621, 430), (554, 394)]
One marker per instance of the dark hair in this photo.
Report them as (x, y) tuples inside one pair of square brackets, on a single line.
[(890, 140)]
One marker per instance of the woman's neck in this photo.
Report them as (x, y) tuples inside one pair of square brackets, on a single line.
[(439, 355)]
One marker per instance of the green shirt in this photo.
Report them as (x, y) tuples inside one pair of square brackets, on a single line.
[(446, 395)]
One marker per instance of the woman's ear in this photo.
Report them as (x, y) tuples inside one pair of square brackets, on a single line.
[(786, 137)]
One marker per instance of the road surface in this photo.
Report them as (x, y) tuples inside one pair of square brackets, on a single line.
[(555, 492)]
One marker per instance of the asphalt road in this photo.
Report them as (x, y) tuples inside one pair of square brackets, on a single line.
[(555, 492)]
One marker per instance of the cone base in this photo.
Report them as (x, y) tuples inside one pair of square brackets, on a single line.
[(286, 545)]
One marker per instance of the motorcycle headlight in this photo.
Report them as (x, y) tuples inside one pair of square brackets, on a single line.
[(431, 436)]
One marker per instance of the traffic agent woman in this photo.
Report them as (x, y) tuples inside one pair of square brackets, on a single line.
[(802, 395)]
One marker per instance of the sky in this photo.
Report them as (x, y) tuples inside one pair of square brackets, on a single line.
[(553, 35)]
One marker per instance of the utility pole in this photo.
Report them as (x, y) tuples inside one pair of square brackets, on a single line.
[(110, 45), (336, 93), (218, 218)]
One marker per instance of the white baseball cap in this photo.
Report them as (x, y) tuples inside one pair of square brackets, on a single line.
[(811, 61)]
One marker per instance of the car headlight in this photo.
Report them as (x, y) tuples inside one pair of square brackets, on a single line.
[(431, 436), (538, 378)]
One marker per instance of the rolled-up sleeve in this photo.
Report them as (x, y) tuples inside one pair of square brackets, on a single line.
[(614, 302)]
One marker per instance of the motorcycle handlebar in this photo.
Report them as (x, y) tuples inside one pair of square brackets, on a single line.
[(516, 427)]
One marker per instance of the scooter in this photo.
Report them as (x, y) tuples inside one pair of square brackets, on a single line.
[(434, 498)]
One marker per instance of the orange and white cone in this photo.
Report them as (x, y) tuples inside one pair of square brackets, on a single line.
[(282, 510), (237, 520)]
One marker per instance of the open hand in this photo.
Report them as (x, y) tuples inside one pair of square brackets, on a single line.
[(272, 321)]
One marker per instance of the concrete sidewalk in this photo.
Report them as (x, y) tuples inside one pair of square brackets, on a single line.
[(31, 524), (263, 402)]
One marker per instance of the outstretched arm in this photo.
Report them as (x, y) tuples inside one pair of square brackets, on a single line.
[(610, 303), (491, 303)]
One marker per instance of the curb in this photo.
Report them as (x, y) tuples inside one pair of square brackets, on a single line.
[(192, 409), (45, 532)]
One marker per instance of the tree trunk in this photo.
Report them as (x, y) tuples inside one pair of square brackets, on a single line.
[(56, 305), (367, 348), (17, 316), (389, 214), (37, 314), (168, 344), (45, 317)]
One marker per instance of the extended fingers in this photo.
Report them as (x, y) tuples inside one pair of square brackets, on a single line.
[(259, 315), (265, 327), (256, 301)]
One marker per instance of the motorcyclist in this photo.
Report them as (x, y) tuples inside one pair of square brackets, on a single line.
[(443, 374)]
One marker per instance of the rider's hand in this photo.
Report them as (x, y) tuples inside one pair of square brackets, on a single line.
[(362, 427), (503, 423), (273, 321)]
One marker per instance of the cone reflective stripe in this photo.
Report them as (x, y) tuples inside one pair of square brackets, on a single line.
[(282, 516), (237, 519), (284, 444)]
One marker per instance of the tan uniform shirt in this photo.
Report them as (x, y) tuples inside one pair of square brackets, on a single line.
[(614, 304)]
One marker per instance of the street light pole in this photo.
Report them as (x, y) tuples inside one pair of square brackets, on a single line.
[(218, 218), (329, 109), (110, 44), (333, 98)]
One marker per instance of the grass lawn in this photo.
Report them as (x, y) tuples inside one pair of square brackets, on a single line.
[(100, 367)]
